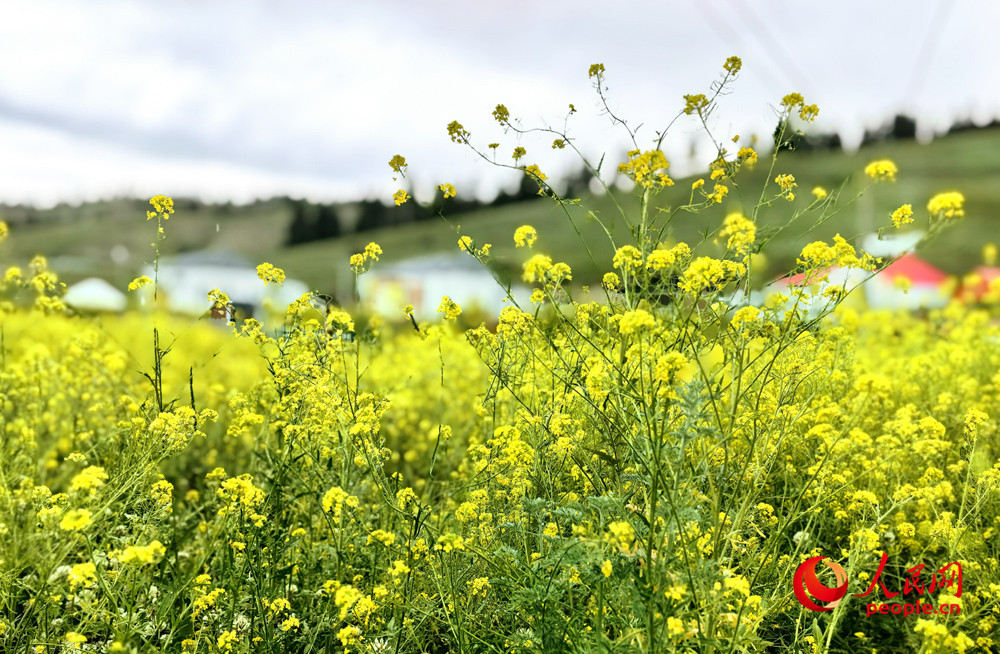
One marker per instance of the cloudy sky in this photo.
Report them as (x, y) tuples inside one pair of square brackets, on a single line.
[(251, 98)]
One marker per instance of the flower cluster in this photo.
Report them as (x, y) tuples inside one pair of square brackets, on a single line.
[(647, 169), (361, 261), (268, 273), (740, 232), (882, 170), (807, 112), (947, 205)]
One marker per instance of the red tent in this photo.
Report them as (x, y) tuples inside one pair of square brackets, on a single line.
[(804, 279), (977, 283), (916, 270), (926, 286)]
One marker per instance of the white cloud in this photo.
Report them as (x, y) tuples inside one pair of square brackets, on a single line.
[(239, 99)]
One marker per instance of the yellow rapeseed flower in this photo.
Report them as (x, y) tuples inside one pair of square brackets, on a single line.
[(525, 236), (695, 103), (143, 554), (479, 585), (882, 170), (398, 164), (675, 627), (89, 479), (458, 133), (400, 197), (792, 100), (627, 257), (373, 251), (902, 216), (267, 273), (947, 205), (75, 520), (646, 169), (163, 207), (501, 114), (786, 183), (74, 639), (633, 321), (747, 155), (82, 574), (535, 268), (348, 636), (226, 640), (989, 254), (621, 533), (743, 317), (449, 308), (661, 258), (706, 273), (218, 298), (741, 232), (719, 191), (807, 112), (359, 261)]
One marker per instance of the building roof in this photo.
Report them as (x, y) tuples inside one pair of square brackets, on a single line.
[(459, 262), (805, 278), (215, 258), (890, 245), (976, 283), (915, 269), (95, 294)]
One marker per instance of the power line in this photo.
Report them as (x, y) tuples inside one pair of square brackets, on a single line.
[(759, 29), (926, 53), (716, 21)]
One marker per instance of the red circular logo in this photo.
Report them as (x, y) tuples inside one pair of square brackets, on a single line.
[(806, 580)]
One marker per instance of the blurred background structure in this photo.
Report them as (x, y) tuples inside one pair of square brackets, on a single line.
[(272, 123)]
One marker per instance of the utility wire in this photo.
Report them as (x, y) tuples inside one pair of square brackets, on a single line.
[(761, 34), (926, 53), (716, 21)]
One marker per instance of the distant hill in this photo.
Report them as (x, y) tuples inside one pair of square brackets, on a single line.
[(112, 239)]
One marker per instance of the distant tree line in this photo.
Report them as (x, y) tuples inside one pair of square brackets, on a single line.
[(317, 221), (900, 127), (312, 222)]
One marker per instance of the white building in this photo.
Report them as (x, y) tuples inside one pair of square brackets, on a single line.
[(186, 279), (423, 281), (909, 282), (906, 282), (95, 295), (815, 298)]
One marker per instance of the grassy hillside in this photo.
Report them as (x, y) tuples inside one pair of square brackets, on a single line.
[(82, 237), (969, 162)]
